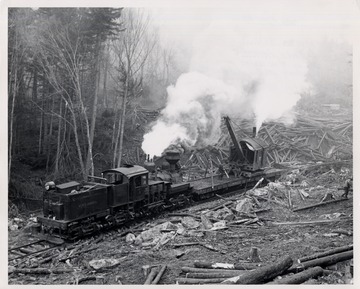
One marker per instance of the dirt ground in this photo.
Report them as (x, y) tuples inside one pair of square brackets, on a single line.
[(273, 239)]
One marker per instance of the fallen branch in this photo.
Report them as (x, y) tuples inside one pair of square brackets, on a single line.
[(262, 275), (319, 204), (322, 262), (326, 253), (300, 277)]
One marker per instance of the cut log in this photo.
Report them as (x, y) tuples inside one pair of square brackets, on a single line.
[(186, 244), (300, 277), (151, 276), (326, 253), (262, 275), (311, 222), (209, 265), (210, 275), (205, 270), (319, 204), (199, 281), (159, 275), (41, 271), (322, 262)]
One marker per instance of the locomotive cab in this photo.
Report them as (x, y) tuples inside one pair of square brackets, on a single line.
[(129, 184)]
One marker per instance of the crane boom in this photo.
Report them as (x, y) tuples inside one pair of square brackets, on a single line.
[(234, 140)]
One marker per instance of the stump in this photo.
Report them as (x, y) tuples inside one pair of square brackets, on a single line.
[(254, 255)]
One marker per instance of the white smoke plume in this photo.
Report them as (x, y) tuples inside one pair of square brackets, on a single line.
[(193, 113), (244, 65)]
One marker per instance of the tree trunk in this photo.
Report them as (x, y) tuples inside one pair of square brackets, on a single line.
[(11, 125), (122, 119), (89, 159), (58, 146), (323, 262), (300, 277), (78, 147), (263, 274), (326, 253), (48, 145)]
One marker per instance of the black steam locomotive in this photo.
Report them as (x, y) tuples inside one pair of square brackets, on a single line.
[(121, 194)]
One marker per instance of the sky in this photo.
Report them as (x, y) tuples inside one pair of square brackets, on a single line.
[(248, 59)]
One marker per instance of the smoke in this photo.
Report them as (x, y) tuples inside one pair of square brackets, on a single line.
[(254, 68)]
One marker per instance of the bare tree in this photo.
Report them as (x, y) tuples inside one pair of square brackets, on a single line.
[(132, 51)]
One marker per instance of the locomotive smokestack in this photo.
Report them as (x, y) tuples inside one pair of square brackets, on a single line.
[(254, 131), (172, 157)]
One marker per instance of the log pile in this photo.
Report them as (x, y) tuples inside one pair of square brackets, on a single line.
[(309, 139), (283, 271)]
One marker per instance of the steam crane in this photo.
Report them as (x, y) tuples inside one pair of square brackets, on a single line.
[(250, 152)]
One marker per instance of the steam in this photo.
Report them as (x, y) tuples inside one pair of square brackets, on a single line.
[(193, 113), (257, 78)]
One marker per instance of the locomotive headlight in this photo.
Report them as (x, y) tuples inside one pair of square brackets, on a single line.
[(49, 186)]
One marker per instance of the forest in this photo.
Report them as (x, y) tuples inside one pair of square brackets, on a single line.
[(85, 83), (78, 80)]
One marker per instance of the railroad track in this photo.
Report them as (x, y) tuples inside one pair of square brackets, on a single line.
[(18, 254)]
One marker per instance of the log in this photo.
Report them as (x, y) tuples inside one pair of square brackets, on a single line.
[(322, 262), (263, 274), (319, 204), (199, 281), (227, 203), (186, 244), (210, 275), (200, 264), (151, 276), (300, 277), (205, 270), (340, 231), (159, 275), (326, 253), (41, 271), (310, 222)]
